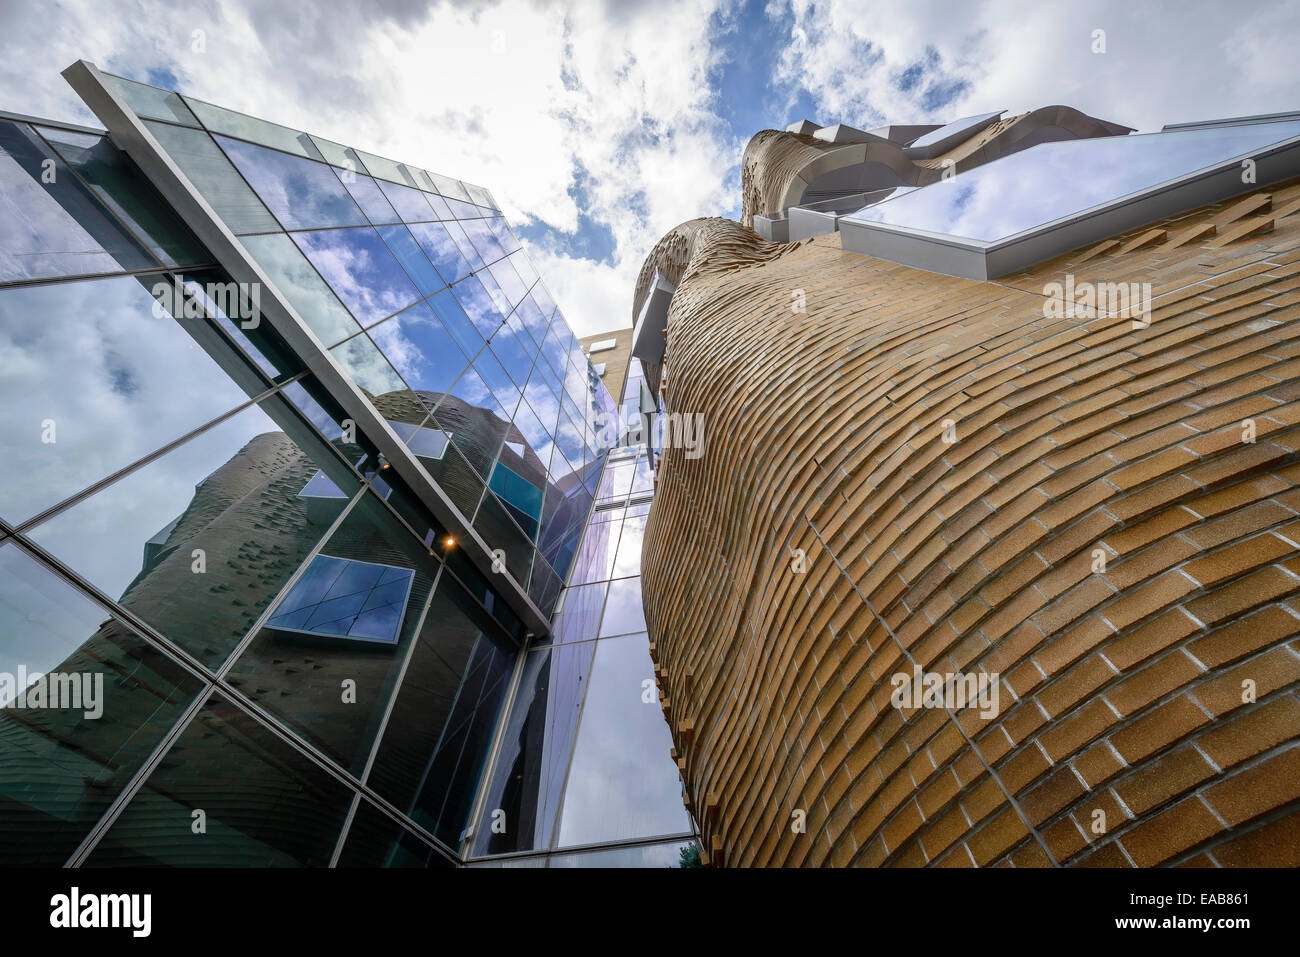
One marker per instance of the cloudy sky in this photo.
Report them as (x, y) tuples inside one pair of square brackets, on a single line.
[(601, 125)]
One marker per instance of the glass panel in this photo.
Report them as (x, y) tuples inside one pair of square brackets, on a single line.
[(418, 345), (367, 366), (436, 741), (360, 269), (199, 542), (220, 120), (622, 783), (410, 203), (150, 101), (970, 123), (623, 611), (1055, 180), (535, 748), (327, 658), (128, 194), (453, 317), (302, 194), (91, 384), (595, 561), (216, 179), (629, 547), (579, 618), (478, 305), (442, 249), (302, 286), (412, 258), (499, 529), (265, 803), (369, 197), (61, 767), (449, 187), (376, 840), (50, 225), (671, 854)]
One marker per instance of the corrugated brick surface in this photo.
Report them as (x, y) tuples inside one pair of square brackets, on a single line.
[(1149, 713)]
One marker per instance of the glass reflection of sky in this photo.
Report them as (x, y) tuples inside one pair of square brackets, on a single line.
[(952, 129), (1054, 180), (301, 193), (344, 598), (361, 270)]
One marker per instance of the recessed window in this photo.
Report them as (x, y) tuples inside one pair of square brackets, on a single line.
[(600, 368), (346, 598), (600, 345)]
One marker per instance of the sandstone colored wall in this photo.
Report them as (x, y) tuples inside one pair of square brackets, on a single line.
[(1120, 692)]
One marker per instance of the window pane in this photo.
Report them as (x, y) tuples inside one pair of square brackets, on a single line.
[(623, 612), (302, 286), (535, 749), (421, 349), (360, 269), (91, 384), (214, 177), (622, 783), (436, 742), (118, 186), (199, 542), (412, 257), (376, 840), (302, 194), (151, 102), (326, 660), (442, 250), (60, 769), (50, 225), (410, 203), (266, 804), (368, 196), (220, 120)]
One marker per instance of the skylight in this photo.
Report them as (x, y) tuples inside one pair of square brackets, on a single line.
[(1070, 189)]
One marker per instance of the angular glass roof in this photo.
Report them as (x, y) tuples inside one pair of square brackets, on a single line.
[(1054, 181), (956, 132)]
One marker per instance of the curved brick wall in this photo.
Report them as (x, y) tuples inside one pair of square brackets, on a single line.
[(1121, 691)]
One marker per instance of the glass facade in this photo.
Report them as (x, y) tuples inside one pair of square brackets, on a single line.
[(586, 759), (280, 657)]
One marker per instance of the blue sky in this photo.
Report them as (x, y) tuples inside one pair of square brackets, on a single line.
[(601, 125)]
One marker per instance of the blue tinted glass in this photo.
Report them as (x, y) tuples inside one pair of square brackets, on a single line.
[(532, 318), (479, 306), (442, 249), (367, 366), (413, 260), (508, 278), (1054, 180), (498, 381), (360, 269), (419, 347), (409, 203), (453, 317), (505, 235), (302, 194), (484, 239), (302, 285), (368, 196), (439, 205), (499, 298), (505, 346), (463, 210), (54, 228), (462, 242), (542, 400), (345, 598)]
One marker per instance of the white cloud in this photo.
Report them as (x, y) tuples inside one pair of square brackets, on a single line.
[(1164, 62), (526, 98)]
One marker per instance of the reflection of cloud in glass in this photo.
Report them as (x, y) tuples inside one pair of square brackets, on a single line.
[(302, 194), (358, 266), (1053, 180), (93, 360)]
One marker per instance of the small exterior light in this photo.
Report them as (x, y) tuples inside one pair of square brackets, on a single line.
[(449, 542)]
